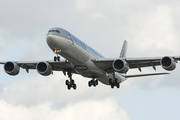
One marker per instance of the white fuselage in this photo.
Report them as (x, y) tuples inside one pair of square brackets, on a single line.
[(77, 55)]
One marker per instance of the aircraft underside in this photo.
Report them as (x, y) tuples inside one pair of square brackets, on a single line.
[(83, 60)]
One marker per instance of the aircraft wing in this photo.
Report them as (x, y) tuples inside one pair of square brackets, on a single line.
[(142, 75), (107, 64), (56, 66)]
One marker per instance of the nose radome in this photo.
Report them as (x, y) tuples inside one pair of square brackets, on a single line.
[(49, 38), (51, 41), (57, 42)]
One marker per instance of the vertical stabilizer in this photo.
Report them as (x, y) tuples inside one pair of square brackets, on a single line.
[(124, 50)]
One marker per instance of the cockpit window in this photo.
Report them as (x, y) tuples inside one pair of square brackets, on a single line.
[(54, 31), (57, 31)]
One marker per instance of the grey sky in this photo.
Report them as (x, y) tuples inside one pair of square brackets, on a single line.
[(151, 28)]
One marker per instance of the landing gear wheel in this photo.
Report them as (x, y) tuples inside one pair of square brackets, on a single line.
[(114, 82), (89, 83), (69, 87), (96, 82), (93, 82), (112, 85), (58, 58), (67, 82), (118, 85), (74, 86), (55, 58)]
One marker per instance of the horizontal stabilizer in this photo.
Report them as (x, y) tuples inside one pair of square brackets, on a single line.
[(141, 75)]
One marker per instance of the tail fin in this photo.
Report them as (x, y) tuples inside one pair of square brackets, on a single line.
[(124, 50)]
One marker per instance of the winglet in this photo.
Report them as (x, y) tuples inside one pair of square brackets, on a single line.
[(124, 50)]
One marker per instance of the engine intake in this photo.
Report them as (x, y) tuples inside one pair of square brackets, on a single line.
[(11, 68), (168, 63), (44, 68), (121, 66)]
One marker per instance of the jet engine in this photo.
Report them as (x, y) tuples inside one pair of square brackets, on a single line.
[(120, 66), (168, 63), (44, 68), (11, 68)]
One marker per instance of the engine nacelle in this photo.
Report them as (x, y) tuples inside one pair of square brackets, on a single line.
[(11, 68), (120, 66), (44, 68), (168, 63)]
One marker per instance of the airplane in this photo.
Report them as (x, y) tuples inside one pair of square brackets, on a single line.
[(83, 60)]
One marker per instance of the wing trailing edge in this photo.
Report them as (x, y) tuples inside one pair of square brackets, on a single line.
[(141, 75)]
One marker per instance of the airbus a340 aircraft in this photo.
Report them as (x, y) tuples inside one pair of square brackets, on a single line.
[(82, 59)]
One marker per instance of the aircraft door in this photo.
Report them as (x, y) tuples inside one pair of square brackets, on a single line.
[(69, 36)]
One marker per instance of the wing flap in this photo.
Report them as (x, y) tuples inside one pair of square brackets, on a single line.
[(141, 75)]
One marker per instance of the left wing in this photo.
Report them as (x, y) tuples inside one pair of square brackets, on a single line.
[(107, 64), (141, 75)]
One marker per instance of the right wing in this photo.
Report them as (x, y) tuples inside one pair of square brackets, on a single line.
[(56, 66)]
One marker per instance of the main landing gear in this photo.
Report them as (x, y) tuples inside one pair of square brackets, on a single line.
[(113, 82), (57, 51), (93, 82), (70, 83)]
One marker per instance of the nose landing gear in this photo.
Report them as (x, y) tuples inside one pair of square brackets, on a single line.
[(56, 58)]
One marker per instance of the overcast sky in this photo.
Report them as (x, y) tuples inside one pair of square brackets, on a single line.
[(151, 28)]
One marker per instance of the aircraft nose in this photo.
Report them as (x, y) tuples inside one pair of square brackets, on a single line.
[(51, 41), (55, 42), (49, 38)]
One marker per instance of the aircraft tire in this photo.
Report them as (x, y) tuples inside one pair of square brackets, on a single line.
[(96, 82), (74, 86), (58, 58), (67, 82), (112, 85), (55, 58), (89, 83), (118, 85), (69, 87)]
